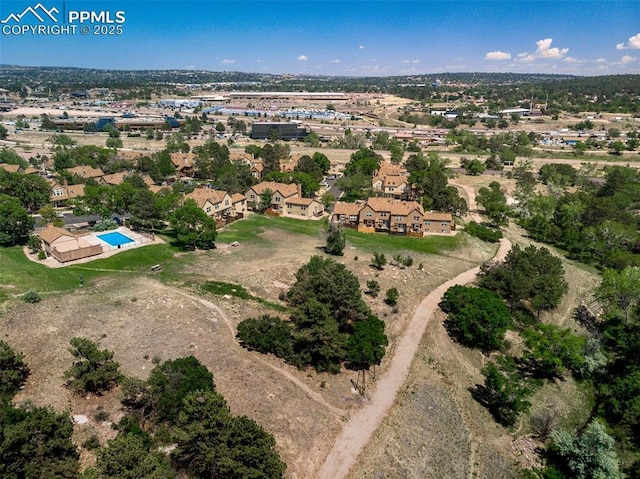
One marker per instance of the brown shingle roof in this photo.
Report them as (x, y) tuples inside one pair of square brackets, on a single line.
[(282, 188), (115, 178), (70, 192), (52, 233), (438, 216), (85, 171), (348, 209), (300, 201), (236, 197), (182, 160), (395, 207), (10, 168), (202, 195)]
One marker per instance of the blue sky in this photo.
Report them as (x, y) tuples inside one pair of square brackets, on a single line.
[(357, 38)]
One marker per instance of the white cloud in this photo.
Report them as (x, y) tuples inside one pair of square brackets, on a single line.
[(626, 59), (302, 58), (361, 47), (411, 61), (633, 43), (497, 55), (335, 60), (227, 61), (600, 60), (574, 60), (543, 50), (258, 61)]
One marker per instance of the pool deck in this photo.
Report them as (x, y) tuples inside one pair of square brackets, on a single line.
[(108, 250)]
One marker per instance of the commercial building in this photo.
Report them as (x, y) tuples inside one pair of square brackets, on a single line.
[(277, 130)]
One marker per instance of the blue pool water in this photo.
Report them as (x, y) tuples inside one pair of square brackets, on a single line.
[(115, 238)]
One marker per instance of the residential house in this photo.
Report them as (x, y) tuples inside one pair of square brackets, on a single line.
[(388, 215), (183, 162), (391, 216), (132, 156), (437, 222), (255, 164), (215, 203), (347, 214), (305, 207), (85, 172), (391, 180), (287, 165), (61, 193), (114, 179), (65, 246), (238, 205), (280, 193), (11, 168)]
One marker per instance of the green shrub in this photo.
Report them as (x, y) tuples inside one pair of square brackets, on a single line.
[(392, 297), (101, 415), (482, 232), (42, 255), (267, 334), (92, 443), (31, 296)]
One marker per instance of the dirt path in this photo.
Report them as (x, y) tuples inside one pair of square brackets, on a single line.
[(357, 432)]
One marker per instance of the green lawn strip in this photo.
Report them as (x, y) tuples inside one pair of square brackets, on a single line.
[(383, 243), (250, 228), (221, 288), (23, 274)]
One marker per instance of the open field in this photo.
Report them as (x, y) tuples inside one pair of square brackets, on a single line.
[(140, 316), (434, 428)]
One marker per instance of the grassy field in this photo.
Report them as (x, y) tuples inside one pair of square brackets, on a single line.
[(250, 229), (19, 274)]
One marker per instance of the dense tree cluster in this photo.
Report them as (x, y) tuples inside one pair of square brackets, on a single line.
[(593, 224), (531, 275), (477, 317), (356, 181), (330, 324)]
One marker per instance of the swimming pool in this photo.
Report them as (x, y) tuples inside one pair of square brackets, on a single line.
[(115, 238)]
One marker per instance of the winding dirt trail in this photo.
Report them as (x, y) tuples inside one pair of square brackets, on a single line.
[(357, 432)]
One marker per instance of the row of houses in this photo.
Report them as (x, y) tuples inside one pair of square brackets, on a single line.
[(392, 216), (286, 200)]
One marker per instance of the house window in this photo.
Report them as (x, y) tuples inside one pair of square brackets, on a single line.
[(278, 199), (427, 222), (304, 208), (208, 209), (58, 192), (399, 218), (353, 218), (444, 223), (226, 202), (416, 218), (383, 214), (369, 214), (217, 206)]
